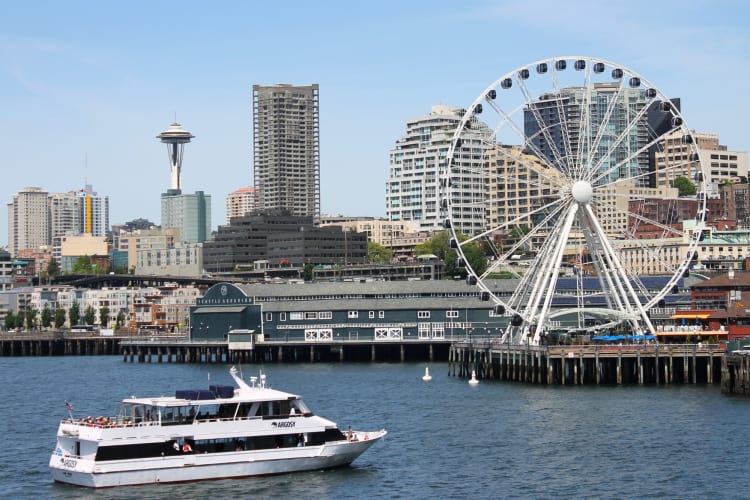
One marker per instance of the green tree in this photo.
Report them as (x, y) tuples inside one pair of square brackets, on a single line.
[(59, 317), (89, 315), (74, 314), (684, 186), (82, 265), (438, 245), (30, 318), (46, 316), (120, 320), (308, 272), (53, 268), (377, 253), (10, 320), (104, 316)]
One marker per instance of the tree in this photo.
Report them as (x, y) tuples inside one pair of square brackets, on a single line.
[(438, 245), (120, 320), (10, 320), (46, 316), (30, 318), (82, 265), (59, 318), (53, 268), (74, 314), (684, 186), (104, 316), (89, 315), (377, 253), (308, 272)]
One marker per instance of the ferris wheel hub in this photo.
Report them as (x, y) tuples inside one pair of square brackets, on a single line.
[(582, 192)]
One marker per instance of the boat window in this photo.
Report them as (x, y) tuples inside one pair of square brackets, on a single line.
[(227, 410), (208, 412), (249, 410), (178, 415), (281, 408), (300, 408)]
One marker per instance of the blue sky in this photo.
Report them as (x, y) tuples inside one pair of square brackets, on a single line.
[(86, 86)]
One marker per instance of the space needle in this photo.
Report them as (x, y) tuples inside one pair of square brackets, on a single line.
[(175, 137)]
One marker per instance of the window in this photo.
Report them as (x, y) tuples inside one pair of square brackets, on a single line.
[(269, 316), (451, 314), (311, 315), (282, 316), (381, 314), (423, 314), (371, 314), (353, 314), (325, 315), (295, 316)]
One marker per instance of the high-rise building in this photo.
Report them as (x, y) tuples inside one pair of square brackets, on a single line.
[(286, 143), (241, 201), (553, 124), (37, 218), (190, 213), (28, 220), (94, 212), (418, 162), (65, 219)]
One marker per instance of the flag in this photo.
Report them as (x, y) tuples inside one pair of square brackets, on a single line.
[(68, 406)]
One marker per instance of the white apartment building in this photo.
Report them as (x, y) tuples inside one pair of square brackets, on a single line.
[(166, 305), (418, 162), (28, 220), (37, 218)]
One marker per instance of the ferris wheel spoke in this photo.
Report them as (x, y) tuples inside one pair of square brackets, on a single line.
[(629, 297), (601, 128), (557, 158), (531, 164), (616, 144)]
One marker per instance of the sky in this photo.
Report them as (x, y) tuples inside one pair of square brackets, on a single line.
[(86, 86)]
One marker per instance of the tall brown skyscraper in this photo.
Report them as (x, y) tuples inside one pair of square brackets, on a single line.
[(286, 140)]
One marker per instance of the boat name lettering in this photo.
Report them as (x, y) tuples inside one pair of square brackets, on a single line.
[(283, 424), (69, 462)]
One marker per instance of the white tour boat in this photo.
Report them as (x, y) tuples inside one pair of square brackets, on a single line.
[(222, 432)]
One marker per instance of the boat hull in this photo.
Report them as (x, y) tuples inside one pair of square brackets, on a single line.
[(200, 467)]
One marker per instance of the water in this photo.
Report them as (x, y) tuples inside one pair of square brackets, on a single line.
[(446, 439)]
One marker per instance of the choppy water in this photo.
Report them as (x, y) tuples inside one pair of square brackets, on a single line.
[(446, 439)]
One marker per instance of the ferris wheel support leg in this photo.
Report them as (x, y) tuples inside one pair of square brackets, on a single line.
[(621, 272), (555, 272), (601, 271), (541, 278)]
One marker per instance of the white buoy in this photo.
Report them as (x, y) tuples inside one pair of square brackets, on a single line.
[(473, 380), (426, 377)]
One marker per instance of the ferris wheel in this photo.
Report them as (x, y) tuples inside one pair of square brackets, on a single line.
[(578, 179)]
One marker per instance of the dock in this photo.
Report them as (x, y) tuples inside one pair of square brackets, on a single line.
[(735, 373), (585, 364), (654, 364)]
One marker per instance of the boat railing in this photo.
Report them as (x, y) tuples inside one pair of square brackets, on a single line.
[(107, 422)]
